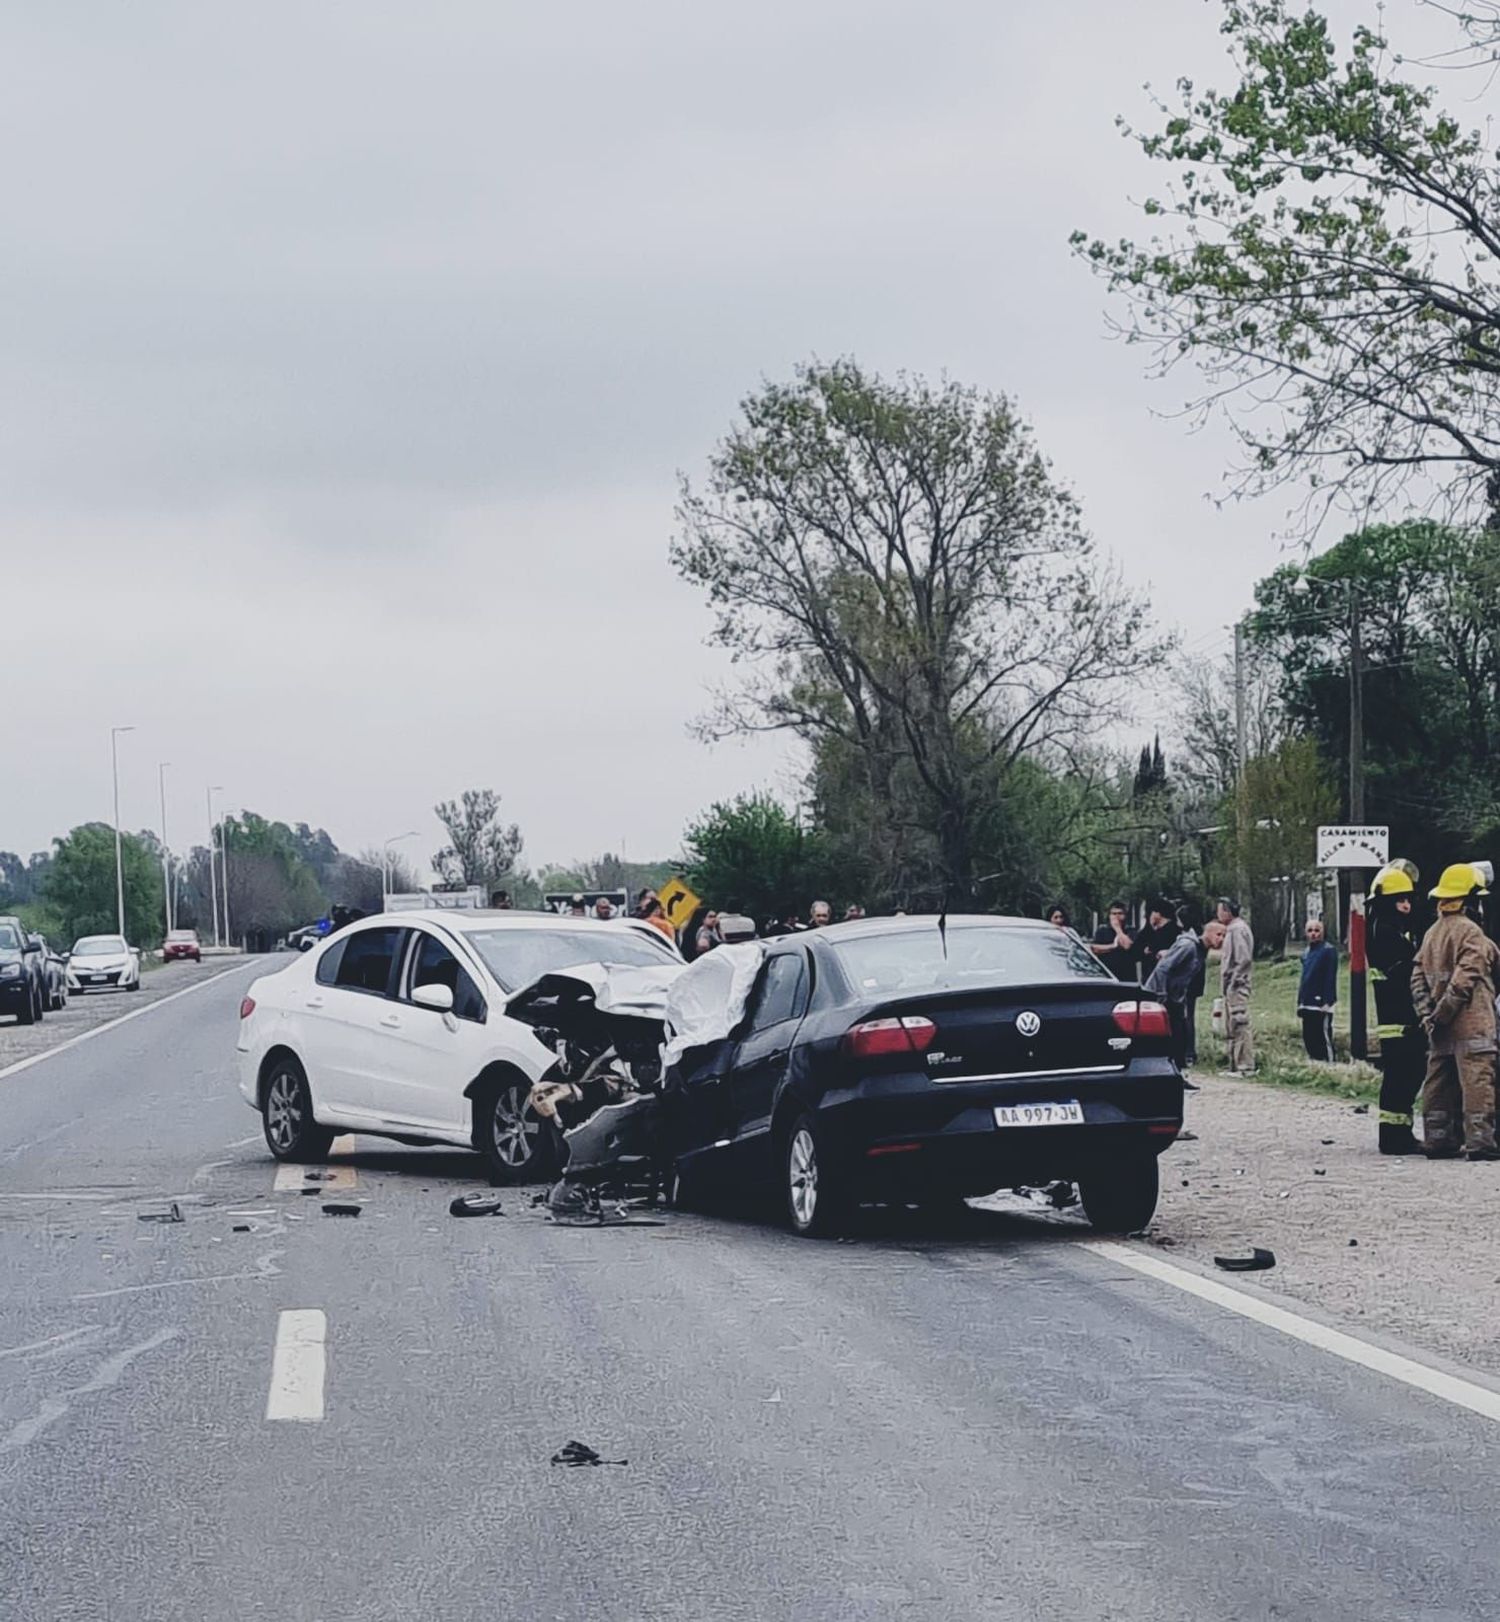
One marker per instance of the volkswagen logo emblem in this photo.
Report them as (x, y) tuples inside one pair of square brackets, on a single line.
[(1028, 1024)]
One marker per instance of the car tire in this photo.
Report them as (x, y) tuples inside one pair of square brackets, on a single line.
[(517, 1144), (27, 1014), (1121, 1198), (814, 1182), (287, 1116)]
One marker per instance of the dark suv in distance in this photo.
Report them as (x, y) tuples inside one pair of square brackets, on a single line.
[(22, 992)]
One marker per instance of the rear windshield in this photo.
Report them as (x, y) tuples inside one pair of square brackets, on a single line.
[(977, 955), (183, 935), (516, 957)]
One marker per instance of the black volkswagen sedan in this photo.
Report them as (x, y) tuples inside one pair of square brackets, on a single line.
[(919, 1060)]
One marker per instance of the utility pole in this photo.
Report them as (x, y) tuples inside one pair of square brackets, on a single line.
[(166, 855), (114, 767), (1242, 749), (224, 886), (213, 861), (1358, 965)]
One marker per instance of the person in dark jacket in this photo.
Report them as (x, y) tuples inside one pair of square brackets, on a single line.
[(1318, 992), (1391, 944), (1170, 980), (1160, 931)]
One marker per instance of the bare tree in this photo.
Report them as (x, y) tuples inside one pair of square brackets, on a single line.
[(481, 849)]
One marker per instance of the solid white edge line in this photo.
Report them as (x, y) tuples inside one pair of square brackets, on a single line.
[(298, 1366), (124, 1019), (1462, 1393)]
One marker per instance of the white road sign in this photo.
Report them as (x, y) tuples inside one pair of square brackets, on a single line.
[(1353, 847)]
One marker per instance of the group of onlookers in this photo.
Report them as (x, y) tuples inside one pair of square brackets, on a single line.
[(1168, 956)]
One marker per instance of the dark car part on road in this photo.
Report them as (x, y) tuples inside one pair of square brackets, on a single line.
[(1256, 1262), (339, 1209), (577, 1455), (476, 1205), (173, 1213)]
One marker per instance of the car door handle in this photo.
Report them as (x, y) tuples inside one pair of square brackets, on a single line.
[(391, 1021), (314, 1002)]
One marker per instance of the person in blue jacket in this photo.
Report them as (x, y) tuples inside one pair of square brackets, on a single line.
[(1318, 993)]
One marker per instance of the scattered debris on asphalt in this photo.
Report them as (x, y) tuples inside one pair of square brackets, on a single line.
[(1325, 1141), (1061, 1195), (578, 1454), (241, 1227), (1319, 1172), (1361, 1109), (1187, 1137), (1353, 1243), (476, 1205), (335, 1208), (172, 1214), (571, 1205), (317, 1177), (1256, 1262)]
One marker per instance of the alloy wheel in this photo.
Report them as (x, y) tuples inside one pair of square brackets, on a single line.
[(515, 1133), (284, 1110), (802, 1173)]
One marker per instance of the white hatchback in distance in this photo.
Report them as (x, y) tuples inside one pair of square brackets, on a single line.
[(103, 963), (396, 1026)]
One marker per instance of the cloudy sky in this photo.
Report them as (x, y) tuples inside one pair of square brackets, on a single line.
[(349, 354)]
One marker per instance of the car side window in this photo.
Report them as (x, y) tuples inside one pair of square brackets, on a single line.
[(368, 958), (434, 965), (781, 992), (328, 964)]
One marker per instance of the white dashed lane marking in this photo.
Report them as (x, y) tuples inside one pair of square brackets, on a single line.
[(298, 1366)]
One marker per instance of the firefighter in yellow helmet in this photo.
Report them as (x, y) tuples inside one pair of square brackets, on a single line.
[(1392, 950), (1453, 990)]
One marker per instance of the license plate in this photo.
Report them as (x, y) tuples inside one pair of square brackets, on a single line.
[(1064, 1112), (96, 979)]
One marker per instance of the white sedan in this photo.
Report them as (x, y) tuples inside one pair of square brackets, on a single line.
[(396, 1026), (103, 963)]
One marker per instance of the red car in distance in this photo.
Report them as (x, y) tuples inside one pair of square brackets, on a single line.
[(182, 943)]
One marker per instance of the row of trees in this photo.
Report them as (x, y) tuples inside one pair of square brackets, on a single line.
[(920, 605)]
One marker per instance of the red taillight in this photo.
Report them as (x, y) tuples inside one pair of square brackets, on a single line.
[(247, 1007), (1143, 1018), (878, 1038)]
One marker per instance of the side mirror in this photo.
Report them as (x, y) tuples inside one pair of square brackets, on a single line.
[(33, 943), (437, 998)]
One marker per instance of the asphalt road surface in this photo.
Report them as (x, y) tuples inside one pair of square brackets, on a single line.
[(331, 1417)]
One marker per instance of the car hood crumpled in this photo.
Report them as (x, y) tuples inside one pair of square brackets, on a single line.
[(707, 1000)]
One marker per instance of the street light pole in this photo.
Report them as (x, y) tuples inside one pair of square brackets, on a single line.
[(213, 868), (1242, 751), (166, 854), (224, 885), (114, 766), (385, 863)]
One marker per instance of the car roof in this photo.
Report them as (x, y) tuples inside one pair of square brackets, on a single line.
[(467, 918), (855, 929)]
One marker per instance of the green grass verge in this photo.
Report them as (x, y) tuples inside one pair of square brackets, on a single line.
[(1279, 1055)]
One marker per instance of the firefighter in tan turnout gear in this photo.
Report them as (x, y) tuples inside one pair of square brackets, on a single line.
[(1392, 949), (1453, 989)]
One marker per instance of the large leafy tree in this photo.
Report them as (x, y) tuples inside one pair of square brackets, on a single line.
[(1426, 596), (752, 853), (80, 885), (916, 592), (1327, 260)]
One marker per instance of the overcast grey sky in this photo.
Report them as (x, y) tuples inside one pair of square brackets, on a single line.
[(350, 354)]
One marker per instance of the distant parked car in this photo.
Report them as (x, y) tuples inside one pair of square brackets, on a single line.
[(21, 990), (104, 963), (54, 977), (182, 943)]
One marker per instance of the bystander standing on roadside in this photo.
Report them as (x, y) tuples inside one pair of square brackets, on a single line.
[(578, 907), (1318, 992), (652, 912), (1113, 945), (1057, 916), (819, 915), (852, 911), (1198, 985), (1236, 958), (1171, 979), (1159, 932), (604, 908)]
